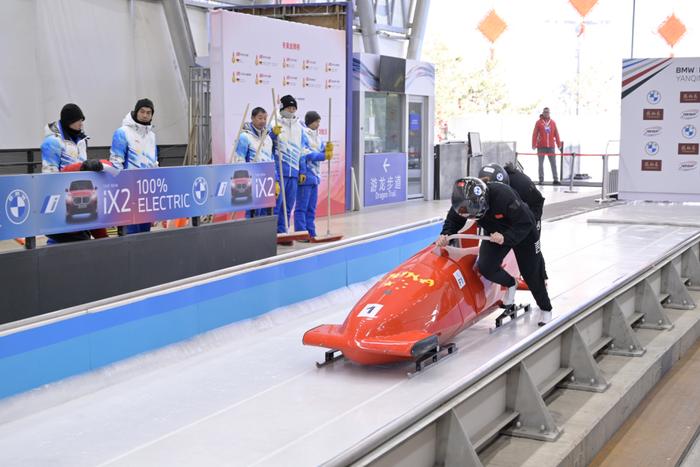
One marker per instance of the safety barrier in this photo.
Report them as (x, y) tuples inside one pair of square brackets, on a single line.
[(605, 190), (57, 345)]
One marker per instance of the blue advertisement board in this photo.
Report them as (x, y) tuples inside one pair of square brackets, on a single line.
[(70, 201), (385, 178)]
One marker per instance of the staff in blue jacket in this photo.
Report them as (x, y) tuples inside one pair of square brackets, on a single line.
[(64, 143), (255, 145), (310, 175), (288, 139), (134, 146)]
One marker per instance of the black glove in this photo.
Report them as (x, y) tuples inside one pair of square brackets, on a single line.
[(92, 165)]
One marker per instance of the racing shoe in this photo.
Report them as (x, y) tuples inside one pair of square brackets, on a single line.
[(509, 298), (545, 317)]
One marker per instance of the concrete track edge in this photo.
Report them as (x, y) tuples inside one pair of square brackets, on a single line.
[(590, 420)]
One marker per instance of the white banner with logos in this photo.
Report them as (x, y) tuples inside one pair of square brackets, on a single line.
[(659, 142), (250, 55)]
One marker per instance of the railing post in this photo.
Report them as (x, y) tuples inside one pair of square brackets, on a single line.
[(571, 174), (606, 176)]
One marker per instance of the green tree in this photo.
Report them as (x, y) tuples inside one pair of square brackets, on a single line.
[(460, 90)]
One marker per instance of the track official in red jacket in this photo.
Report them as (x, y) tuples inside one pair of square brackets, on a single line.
[(545, 138)]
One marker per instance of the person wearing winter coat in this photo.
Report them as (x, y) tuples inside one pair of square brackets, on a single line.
[(288, 141), (545, 138), (64, 142), (134, 146), (310, 176), (255, 145)]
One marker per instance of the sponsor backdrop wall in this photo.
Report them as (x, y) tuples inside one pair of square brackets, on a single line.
[(659, 157), (251, 55)]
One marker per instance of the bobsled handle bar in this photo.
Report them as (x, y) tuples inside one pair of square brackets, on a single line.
[(468, 237)]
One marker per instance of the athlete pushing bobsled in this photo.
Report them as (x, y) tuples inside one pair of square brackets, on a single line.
[(415, 310), (510, 224)]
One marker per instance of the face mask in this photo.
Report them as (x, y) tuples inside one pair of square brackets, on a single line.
[(286, 114)]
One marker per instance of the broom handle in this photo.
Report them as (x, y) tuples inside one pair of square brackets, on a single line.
[(328, 178), (238, 136), (279, 157)]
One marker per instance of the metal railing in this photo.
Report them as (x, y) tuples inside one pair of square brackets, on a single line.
[(605, 190)]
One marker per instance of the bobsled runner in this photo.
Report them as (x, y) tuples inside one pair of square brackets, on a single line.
[(414, 311)]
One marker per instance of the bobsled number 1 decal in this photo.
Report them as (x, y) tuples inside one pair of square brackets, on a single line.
[(370, 310), (459, 278)]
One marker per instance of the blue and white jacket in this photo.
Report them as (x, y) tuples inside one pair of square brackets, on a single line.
[(133, 146), (289, 145), (314, 154), (58, 151), (249, 142)]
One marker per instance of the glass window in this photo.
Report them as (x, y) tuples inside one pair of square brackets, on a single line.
[(383, 123), (415, 148)]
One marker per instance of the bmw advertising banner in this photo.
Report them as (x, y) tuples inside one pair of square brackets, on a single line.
[(659, 142), (70, 201)]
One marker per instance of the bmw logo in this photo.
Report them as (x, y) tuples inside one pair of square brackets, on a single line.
[(200, 190), (477, 190), (17, 206), (689, 131), (651, 148), (653, 96)]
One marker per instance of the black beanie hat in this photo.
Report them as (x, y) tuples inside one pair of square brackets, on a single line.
[(144, 103), (71, 113), (288, 101), (311, 116)]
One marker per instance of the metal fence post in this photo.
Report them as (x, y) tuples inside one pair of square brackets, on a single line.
[(30, 161), (571, 174), (606, 181)]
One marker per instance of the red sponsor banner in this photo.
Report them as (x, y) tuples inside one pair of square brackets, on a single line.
[(691, 149), (649, 165), (690, 97), (653, 114)]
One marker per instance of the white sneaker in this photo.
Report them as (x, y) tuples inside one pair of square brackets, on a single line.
[(509, 298), (545, 317)]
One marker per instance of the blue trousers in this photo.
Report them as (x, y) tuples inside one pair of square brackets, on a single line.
[(290, 191), (305, 212), (138, 228)]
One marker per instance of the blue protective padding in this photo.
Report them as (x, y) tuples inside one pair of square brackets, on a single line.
[(124, 340), (40, 366), (48, 353)]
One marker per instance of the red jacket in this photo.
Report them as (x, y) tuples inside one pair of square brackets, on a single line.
[(545, 135)]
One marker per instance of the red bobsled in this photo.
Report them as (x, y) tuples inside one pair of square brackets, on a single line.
[(416, 309)]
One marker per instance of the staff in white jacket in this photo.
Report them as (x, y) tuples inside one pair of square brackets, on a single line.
[(288, 141), (310, 175), (134, 146)]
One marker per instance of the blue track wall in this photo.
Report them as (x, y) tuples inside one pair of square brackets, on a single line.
[(31, 358)]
